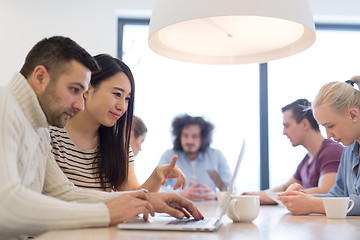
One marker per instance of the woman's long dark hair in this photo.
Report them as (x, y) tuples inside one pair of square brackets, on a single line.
[(114, 141)]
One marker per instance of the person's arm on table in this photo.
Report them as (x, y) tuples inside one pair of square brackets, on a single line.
[(299, 202), (265, 198)]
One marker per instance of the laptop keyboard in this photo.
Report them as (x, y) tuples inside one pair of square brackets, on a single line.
[(189, 221)]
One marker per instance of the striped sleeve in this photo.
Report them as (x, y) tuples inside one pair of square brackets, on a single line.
[(79, 166), (131, 156)]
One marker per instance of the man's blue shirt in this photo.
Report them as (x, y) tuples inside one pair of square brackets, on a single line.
[(211, 159)]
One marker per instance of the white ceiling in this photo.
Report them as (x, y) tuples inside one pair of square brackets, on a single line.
[(329, 11)]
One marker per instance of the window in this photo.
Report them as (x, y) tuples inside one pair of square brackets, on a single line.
[(333, 57), (228, 96)]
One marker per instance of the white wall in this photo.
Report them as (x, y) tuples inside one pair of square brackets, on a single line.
[(91, 23), (336, 11)]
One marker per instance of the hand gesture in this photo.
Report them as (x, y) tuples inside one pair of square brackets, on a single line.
[(171, 171)]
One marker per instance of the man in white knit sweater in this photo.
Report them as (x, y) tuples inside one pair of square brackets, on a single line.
[(35, 196)]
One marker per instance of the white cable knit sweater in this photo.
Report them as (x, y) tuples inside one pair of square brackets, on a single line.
[(35, 196)]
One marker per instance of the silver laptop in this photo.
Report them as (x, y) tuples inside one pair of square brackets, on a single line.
[(168, 223)]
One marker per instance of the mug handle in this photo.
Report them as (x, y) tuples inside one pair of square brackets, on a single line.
[(351, 206), (232, 208)]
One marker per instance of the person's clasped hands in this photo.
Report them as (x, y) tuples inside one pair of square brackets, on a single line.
[(199, 191)]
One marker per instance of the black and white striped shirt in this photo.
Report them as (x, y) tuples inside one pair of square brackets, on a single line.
[(79, 166)]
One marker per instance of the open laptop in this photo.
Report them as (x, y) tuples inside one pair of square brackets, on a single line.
[(172, 224), (217, 180)]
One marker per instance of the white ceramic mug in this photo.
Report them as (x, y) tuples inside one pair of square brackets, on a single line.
[(337, 207), (244, 208)]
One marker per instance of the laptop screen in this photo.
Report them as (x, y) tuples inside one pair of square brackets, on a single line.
[(232, 182)]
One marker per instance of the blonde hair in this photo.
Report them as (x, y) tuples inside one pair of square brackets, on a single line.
[(340, 96)]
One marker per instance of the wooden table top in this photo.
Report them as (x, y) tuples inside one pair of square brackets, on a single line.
[(273, 222)]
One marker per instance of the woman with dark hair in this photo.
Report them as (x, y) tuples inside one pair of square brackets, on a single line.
[(93, 149)]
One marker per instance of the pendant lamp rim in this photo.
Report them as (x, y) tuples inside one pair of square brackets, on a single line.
[(168, 13)]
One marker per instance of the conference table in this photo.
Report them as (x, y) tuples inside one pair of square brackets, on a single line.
[(273, 222)]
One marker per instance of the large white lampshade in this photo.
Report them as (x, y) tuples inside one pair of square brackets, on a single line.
[(230, 31)]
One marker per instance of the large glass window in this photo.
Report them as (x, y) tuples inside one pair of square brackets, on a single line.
[(226, 95), (333, 57)]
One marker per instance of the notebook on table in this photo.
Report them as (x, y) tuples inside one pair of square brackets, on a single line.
[(172, 224)]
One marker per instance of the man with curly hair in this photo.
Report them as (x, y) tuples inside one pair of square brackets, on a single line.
[(192, 138)]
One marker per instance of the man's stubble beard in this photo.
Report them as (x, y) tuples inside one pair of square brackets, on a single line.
[(48, 100)]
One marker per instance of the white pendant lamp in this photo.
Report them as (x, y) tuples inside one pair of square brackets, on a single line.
[(230, 31)]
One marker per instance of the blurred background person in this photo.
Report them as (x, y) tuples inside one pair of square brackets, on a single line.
[(192, 139), (137, 135)]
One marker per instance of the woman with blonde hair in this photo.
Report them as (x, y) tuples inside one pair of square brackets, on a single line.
[(337, 108)]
